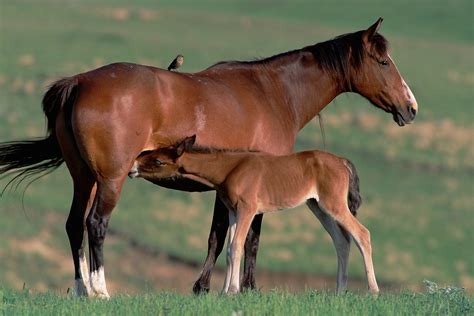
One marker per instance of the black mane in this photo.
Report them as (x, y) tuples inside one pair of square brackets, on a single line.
[(335, 56)]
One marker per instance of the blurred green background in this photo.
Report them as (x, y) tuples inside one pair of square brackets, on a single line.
[(417, 181)]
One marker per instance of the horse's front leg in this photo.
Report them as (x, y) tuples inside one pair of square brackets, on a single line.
[(216, 240), (251, 248)]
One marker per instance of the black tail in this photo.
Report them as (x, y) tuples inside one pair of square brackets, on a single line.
[(38, 156), (354, 200)]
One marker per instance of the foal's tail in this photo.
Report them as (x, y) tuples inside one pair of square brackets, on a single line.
[(38, 156), (354, 200)]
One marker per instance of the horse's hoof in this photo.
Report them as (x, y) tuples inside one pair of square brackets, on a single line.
[(78, 290), (199, 289)]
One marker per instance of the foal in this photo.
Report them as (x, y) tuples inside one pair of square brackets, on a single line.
[(252, 183)]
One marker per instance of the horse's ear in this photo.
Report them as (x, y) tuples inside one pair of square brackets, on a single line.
[(370, 32)]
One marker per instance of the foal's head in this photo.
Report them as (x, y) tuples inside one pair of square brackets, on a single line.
[(363, 60), (162, 163)]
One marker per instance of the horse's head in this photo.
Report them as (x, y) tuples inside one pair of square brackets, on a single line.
[(162, 163), (376, 77)]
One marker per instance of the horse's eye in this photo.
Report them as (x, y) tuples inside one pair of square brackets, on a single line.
[(384, 62), (159, 162)]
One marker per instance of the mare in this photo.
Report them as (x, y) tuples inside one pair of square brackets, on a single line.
[(101, 120), (251, 183)]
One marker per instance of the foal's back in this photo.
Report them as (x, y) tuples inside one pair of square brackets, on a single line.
[(281, 182)]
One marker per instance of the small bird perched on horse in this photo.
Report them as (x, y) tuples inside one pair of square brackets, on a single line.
[(176, 63)]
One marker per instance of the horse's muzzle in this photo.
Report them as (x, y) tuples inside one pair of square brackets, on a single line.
[(407, 116)]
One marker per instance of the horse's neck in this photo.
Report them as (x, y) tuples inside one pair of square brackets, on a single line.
[(303, 88), (213, 167)]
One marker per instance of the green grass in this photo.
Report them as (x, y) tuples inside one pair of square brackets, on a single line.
[(416, 181), (277, 302)]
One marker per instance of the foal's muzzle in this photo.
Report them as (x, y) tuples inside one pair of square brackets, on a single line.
[(133, 173)]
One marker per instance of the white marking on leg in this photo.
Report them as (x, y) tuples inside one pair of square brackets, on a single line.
[(228, 275), (84, 273), (98, 286)]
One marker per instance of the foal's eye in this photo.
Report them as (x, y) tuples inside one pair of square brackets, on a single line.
[(159, 162), (384, 62)]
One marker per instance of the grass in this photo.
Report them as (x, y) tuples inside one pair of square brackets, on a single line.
[(277, 302), (416, 181)]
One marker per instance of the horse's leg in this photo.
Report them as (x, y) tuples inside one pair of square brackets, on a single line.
[(361, 236), (84, 192), (244, 220), (251, 248), (228, 274), (216, 240), (107, 195), (341, 240)]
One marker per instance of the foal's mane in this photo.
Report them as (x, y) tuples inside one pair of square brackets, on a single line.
[(211, 150), (335, 56)]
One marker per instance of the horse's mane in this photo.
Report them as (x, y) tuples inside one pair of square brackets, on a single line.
[(334, 56)]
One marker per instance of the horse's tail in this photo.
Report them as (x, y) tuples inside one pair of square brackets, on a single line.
[(39, 156), (354, 200)]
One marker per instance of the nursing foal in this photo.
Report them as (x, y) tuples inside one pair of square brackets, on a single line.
[(252, 183)]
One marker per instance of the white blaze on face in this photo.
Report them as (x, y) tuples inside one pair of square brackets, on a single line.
[(98, 286), (407, 91), (411, 97)]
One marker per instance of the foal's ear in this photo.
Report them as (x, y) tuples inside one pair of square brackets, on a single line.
[(189, 142), (185, 145), (370, 32)]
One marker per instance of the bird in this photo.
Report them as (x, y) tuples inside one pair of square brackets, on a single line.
[(176, 63)]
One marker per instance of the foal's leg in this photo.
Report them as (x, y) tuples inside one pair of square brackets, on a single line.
[(341, 240), (251, 248), (361, 236), (244, 219), (228, 274), (108, 193), (220, 223)]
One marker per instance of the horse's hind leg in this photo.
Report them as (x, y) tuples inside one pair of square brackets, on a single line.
[(83, 196), (341, 240), (107, 196)]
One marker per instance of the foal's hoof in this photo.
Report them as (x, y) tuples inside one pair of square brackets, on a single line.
[(233, 290), (374, 293), (101, 296)]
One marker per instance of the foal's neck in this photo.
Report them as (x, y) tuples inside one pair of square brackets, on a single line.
[(213, 167)]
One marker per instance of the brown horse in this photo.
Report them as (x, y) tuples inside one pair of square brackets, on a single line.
[(257, 183), (101, 120)]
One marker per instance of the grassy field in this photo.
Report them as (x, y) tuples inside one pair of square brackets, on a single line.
[(417, 181), (278, 302)]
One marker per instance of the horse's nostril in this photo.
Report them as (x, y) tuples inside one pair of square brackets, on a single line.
[(412, 110)]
